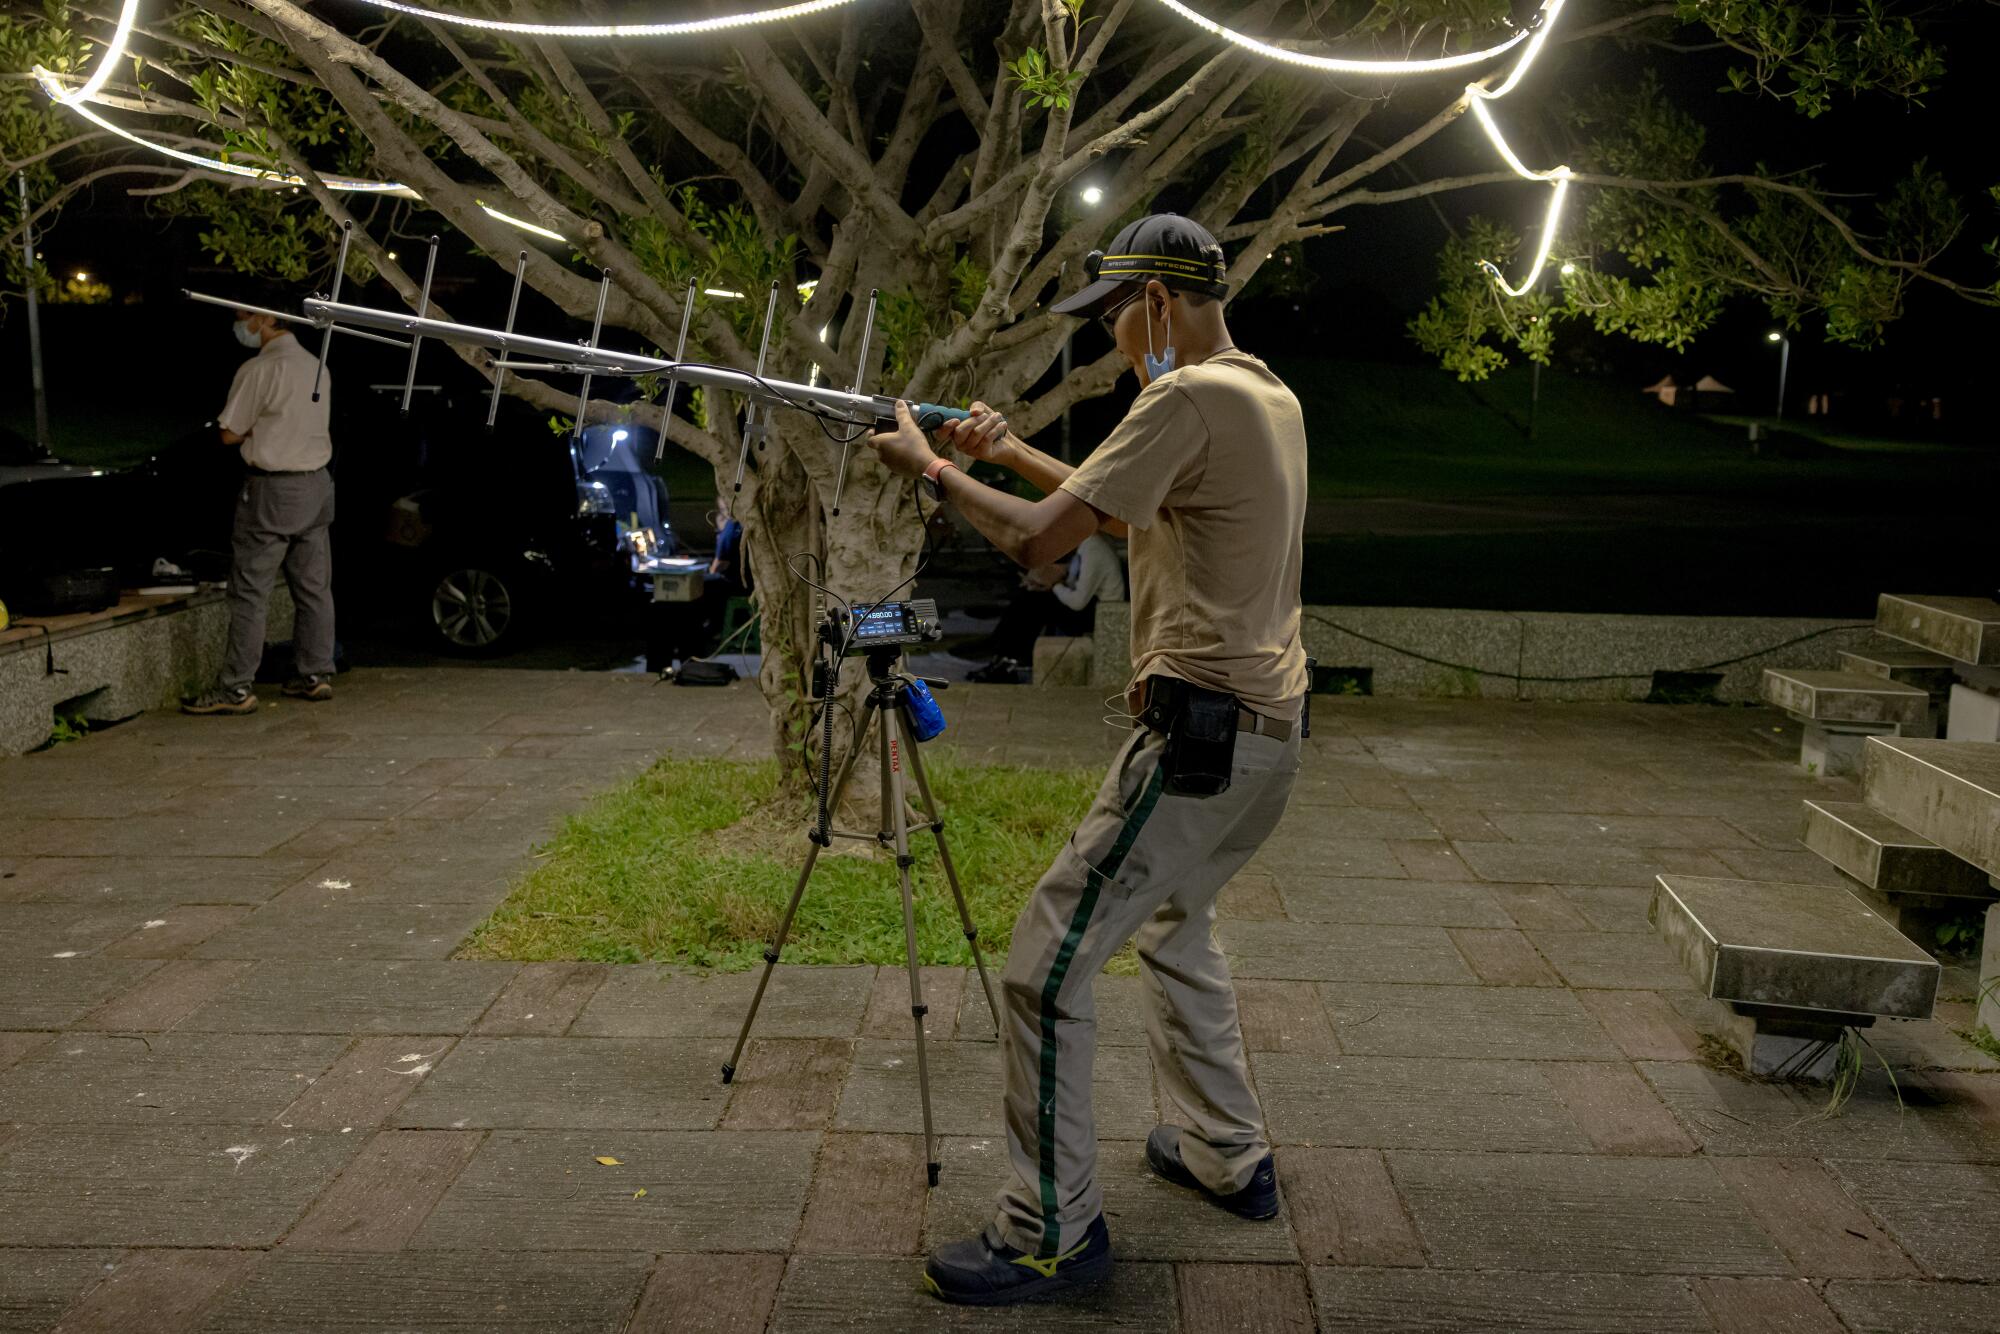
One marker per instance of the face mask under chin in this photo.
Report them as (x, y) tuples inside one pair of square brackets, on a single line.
[(246, 335), (1158, 366)]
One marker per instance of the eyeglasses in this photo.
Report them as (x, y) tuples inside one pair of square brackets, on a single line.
[(1110, 317)]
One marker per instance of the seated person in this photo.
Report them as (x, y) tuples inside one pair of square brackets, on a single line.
[(1057, 599), (683, 630)]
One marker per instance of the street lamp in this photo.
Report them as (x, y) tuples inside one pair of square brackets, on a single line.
[(1784, 364), (1092, 196)]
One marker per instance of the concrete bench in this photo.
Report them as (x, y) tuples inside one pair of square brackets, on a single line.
[(1063, 660), (143, 653), (1796, 964), (1966, 631), (1949, 792), (1918, 668), (1961, 629), (1912, 882), (1840, 710)]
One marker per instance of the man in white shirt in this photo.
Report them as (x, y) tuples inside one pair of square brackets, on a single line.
[(1057, 599), (283, 514)]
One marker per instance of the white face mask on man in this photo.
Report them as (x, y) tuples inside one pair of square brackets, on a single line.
[(246, 335)]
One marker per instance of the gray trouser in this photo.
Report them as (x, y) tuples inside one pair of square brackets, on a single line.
[(281, 524), (1149, 863)]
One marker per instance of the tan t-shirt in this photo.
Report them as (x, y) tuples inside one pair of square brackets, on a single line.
[(1208, 469), (271, 406)]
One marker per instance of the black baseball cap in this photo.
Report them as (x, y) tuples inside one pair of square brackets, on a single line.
[(1177, 251)]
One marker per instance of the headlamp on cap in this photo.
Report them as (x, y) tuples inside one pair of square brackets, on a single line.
[(1163, 247)]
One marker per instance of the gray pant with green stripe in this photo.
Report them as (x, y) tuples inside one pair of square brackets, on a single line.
[(1147, 863)]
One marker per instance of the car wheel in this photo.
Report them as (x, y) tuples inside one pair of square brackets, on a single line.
[(476, 609)]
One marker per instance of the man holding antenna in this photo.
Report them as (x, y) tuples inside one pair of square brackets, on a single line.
[(1207, 472)]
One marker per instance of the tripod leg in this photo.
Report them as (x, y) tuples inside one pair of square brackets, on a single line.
[(894, 819), (798, 893), (950, 870)]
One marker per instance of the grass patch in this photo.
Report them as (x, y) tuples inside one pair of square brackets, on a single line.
[(692, 862)]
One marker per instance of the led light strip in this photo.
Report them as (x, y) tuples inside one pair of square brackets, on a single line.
[(1536, 35), (1332, 64), (689, 28), (57, 93)]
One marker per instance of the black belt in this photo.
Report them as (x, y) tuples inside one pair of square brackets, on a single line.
[(281, 472), (1247, 720)]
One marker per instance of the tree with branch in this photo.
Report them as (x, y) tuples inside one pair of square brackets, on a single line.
[(933, 151)]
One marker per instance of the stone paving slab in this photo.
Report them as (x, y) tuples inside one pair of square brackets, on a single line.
[(1402, 1301), (512, 1291), (1403, 902), (173, 1079), (1946, 1215), (156, 1290), (355, 997), (1601, 1215), (49, 993), (43, 930), (1345, 954), (881, 1091), (1901, 1308), (822, 1294), (1531, 1023), (1383, 1102), (801, 1002), (602, 1083), (134, 880), (36, 1286), (291, 927), (714, 1191), (163, 1186), (1728, 1115)]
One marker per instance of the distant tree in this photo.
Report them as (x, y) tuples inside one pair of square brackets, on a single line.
[(936, 150)]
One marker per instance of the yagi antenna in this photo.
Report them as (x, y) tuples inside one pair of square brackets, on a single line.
[(417, 339), (860, 374), (824, 401), (596, 328), (339, 272), (513, 305), (755, 424), (674, 381)]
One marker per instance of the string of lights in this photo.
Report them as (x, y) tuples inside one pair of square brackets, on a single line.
[(1336, 64), (1535, 35), (686, 28)]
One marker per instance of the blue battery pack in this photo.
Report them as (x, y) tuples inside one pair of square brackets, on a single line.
[(921, 711)]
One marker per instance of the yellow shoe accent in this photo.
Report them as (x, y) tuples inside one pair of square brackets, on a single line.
[(1047, 1268), (930, 1286)]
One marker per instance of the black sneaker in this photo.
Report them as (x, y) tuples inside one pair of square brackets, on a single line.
[(313, 689), (980, 1272), (1256, 1201), (999, 672)]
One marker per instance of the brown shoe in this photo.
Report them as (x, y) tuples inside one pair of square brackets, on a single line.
[(221, 700), (313, 689)]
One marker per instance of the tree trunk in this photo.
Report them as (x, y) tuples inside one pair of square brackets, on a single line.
[(859, 557)]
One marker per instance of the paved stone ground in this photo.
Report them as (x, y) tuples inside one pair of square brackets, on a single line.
[(243, 1087)]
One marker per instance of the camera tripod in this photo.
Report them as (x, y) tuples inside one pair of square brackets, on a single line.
[(895, 746)]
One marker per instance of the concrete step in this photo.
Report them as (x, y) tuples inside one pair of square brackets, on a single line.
[(1947, 791), (1873, 849), (1844, 697), (1926, 671), (1962, 629), (1796, 964)]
